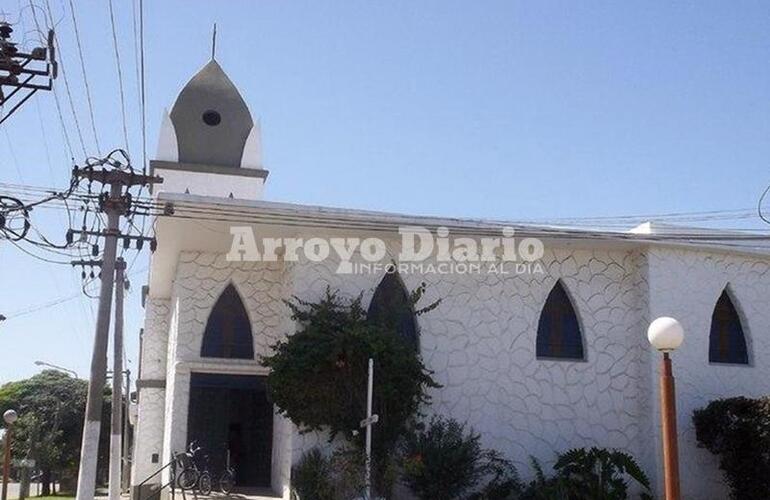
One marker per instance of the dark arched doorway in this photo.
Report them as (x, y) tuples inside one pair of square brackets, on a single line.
[(230, 416)]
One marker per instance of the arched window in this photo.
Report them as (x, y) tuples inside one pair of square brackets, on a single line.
[(390, 307), (558, 331), (727, 344), (228, 330)]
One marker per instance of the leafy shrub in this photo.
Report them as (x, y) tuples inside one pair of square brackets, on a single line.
[(738, 430), (318, 375), (503, 482), (599, 474), (543, 487), (311, 477), (593, 474), (348, 473), (441, 460), (316, 476)]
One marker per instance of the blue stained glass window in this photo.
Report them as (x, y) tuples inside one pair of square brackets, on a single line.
[(228, 329), (558, 331), (390, 307), (727, 343)]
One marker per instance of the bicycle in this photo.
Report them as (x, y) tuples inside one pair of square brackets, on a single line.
[(191, 476), (227, 480)]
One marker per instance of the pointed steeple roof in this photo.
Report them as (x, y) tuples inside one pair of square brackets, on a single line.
[(211, 119)]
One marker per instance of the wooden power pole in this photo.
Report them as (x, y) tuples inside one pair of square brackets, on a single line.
[(115, 205), (117, 383)]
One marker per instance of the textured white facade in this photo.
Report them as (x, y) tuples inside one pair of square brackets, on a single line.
[(481, 344), (686, 285), (481, 340)]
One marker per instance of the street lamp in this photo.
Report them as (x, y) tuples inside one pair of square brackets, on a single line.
[(56, 367), (666, 334), (10, 417)]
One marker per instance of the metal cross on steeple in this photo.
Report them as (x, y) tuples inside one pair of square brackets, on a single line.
[(214, 43)]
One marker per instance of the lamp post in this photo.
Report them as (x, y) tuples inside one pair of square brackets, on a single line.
[(57, 367), (10, 417), (666, 334)]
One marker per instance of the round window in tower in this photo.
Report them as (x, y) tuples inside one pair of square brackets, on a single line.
[(212, 118)]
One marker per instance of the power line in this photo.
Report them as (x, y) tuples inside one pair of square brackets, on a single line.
[(65, 134), (67, 85), (236, 214), (144, 103), (44, 259), (759, 205), (120, 75), (45, 141), (458, 227), (53, 303), (85, 78), (12, 153)]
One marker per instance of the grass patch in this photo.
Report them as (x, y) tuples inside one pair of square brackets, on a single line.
[(63, 496)]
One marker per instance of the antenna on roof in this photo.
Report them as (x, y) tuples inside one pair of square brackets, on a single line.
[(214, 43)]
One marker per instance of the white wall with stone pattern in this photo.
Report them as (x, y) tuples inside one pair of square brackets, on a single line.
[(686, 284), (148, 439), (481, 344), (200, 280)]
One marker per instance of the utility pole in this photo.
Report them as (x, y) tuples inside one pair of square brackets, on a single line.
[(126, 461), (117, 383), (15, 64), (115, 205)]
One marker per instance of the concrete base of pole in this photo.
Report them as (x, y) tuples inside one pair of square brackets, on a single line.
[(115, 451), (88, 458)]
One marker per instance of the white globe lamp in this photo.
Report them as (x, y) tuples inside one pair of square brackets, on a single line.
[(10, 417), (665, 334)]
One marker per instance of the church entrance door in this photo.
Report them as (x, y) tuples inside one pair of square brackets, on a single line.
[(232, 414)]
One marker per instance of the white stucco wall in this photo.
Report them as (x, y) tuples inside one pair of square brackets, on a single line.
[(200, 280), (210, 184), (481, 344), (686, 285), (148, 439)]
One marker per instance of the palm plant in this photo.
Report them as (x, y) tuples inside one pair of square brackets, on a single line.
[(599, 474)]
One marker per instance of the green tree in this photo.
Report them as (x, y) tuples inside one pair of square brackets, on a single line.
[(738, 431), (318, 375), (51, 409)]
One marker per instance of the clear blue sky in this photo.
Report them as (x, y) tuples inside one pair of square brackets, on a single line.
[(493, 109)]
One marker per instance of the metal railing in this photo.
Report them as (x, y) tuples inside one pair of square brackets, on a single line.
[(171, 484)]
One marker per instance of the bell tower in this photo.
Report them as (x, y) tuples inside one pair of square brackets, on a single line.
[(209, 144)]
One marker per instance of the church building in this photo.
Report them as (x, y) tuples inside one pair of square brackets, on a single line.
[(547, 356)]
